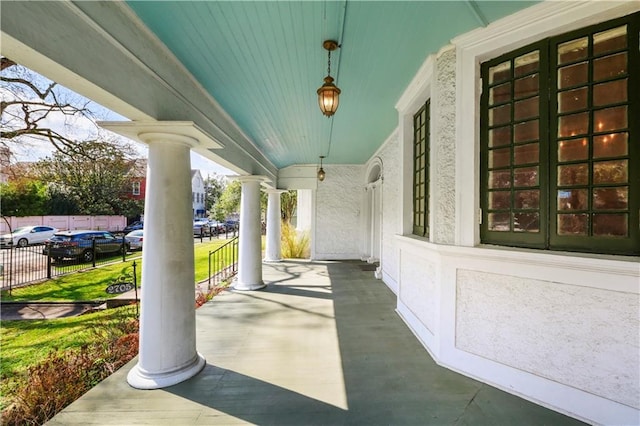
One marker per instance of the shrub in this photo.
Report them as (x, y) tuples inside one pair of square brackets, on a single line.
[(43, 390), (203, 296), (294, 245)]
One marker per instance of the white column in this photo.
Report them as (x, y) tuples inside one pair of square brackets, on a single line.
[(304, 210), (274, 227), (167, 319), (250, 242)]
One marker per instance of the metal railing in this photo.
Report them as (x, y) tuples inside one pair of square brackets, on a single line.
[(217, 233), (21, 266), (223, 263)]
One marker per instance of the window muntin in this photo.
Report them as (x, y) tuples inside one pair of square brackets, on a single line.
[(136, 188), (512, 153), (559, 149), (421, 171)]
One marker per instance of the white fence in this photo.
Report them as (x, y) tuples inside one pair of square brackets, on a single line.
[(109, 223)]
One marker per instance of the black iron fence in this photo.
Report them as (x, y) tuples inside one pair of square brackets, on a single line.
[(211, 233), (223, 263), (20, 266)]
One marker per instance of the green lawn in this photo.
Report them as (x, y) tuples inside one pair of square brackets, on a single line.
[(27, 343), (91, 284)]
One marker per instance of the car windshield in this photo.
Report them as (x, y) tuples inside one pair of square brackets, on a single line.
[(61, 238), (21, 229), (135, 234)]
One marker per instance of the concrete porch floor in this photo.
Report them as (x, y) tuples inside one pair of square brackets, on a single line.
[(321, 345)]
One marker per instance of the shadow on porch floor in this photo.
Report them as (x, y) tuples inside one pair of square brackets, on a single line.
[(321, 344)]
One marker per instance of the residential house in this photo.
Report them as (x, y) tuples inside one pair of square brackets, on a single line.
[(139, 179), (198, 194), (485, 154)]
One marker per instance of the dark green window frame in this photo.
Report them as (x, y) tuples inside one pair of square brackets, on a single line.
[(560, 142), (421, 122)]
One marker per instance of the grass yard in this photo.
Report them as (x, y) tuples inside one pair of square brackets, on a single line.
[(25, 344), (90, 284), (28, 343)]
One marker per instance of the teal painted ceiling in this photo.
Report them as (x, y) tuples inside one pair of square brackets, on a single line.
[(263, 62)]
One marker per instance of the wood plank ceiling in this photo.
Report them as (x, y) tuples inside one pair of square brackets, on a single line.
[(263, 62)]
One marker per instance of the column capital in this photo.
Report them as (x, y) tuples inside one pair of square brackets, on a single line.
[(249, 178), (185, 132), (274, 190)]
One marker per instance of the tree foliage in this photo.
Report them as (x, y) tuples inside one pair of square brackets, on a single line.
[(214, 186), (23, 197), (98, 182), (35, 108), (288, 205), (229, 201)]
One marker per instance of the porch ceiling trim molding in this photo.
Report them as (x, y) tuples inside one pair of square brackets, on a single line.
[(137, 129)]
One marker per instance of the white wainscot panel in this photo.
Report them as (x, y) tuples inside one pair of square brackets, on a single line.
[(418, 289), (584, 337)]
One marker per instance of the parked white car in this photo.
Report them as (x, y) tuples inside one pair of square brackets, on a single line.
[(134, 238), (27, 235)]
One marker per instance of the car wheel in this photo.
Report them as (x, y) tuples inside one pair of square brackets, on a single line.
[(23, 242), (87, 256)]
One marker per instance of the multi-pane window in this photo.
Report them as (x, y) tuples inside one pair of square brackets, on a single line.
[(560, 150), (421, 171), (136, 188)]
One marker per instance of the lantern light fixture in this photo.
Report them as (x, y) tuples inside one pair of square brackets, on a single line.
[(321, 172), (328, 93)]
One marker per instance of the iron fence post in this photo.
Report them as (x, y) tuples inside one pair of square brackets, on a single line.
[(48, 263), (124, 250), (93, 249), (209, 279)]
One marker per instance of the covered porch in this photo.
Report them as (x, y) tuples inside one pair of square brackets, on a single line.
[(321, 344)]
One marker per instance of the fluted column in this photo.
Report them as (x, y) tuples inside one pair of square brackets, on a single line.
[(250, 243), (273, 247), (167, 349)]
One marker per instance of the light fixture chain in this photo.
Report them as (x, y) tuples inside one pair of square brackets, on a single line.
[(329, 64)]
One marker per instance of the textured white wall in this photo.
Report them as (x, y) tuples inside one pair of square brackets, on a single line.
[(443, 151), (418, 288), (304, 210), (391, 199), (338, 204), (561, 329), (583, 337)]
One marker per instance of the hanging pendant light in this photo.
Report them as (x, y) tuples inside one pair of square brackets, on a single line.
[(321, 173), (328, 93)]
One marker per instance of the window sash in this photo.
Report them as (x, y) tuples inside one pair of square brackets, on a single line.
[(558, 194), (421, 122)]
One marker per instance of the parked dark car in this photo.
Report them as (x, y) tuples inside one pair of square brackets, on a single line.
[(217, 227), (78, 244), (133, 227), (201, 227)]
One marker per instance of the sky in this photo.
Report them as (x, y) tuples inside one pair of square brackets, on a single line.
[(84, 128)]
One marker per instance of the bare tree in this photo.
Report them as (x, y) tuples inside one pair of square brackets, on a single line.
[(35, 108)]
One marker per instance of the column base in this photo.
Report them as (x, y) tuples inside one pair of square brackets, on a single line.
[(265, 260), (247, 286), (140, 379)]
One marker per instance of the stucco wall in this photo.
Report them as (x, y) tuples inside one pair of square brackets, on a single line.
[(560, 329), (443, 151), (338, 204), (419, 288), (390, 210), (583, 337)]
